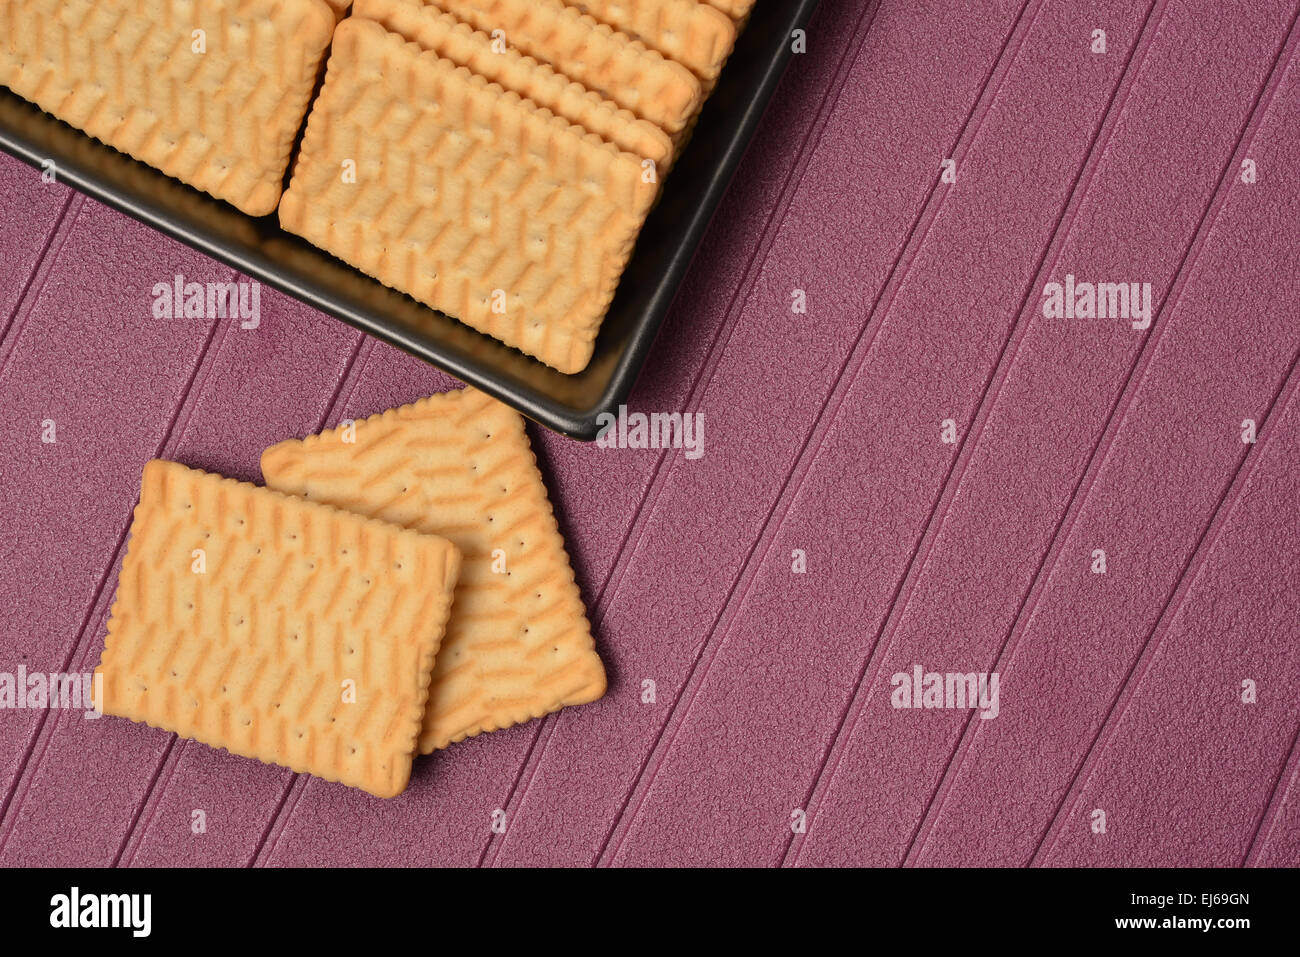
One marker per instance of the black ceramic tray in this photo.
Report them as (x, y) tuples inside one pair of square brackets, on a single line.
[(258, 247)]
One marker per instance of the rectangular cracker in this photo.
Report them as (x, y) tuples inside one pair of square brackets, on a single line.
[(460, 43), (694, 34), (459, 465), (465, 196), (600, 58), (223, 120), (242, 613)]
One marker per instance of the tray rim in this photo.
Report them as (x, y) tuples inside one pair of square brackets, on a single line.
[(575, 421)]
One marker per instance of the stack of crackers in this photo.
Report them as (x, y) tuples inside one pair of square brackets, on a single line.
[(494, 159), (399, 584)]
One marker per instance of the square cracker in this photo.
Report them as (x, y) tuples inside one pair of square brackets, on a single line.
[(694, 34), (459, 465), (223, 120), (241, 613), (465, 196), (460, 43), (601, 58)]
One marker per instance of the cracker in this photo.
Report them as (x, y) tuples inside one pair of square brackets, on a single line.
[(466, 196), (738, 10), (223, 120), (613, 64), (460, 43), (694, 34), (251, 650), (459, 465)]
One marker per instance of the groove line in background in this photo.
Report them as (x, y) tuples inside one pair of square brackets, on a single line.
[(900, 600), (1173, 604), (1272, 808), (703, 376), (913, 241), (753, 266), (1096, 458), (1258, 113), (284, 809), (16, 791), (35, 281), (989, 393)]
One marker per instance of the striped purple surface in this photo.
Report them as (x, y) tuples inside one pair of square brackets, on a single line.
[(1159, 693)]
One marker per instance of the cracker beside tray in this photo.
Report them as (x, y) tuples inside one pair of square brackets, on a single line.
[(400, 584), (277, 628), (458, 465)]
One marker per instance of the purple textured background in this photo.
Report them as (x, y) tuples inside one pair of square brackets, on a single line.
[(1119, 691)]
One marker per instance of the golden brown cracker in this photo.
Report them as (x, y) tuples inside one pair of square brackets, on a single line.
[(466, 196), (613, 64), (276, 628), (696, 35), (738, 10), (460, 43), (459, 465), (212, 94)]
